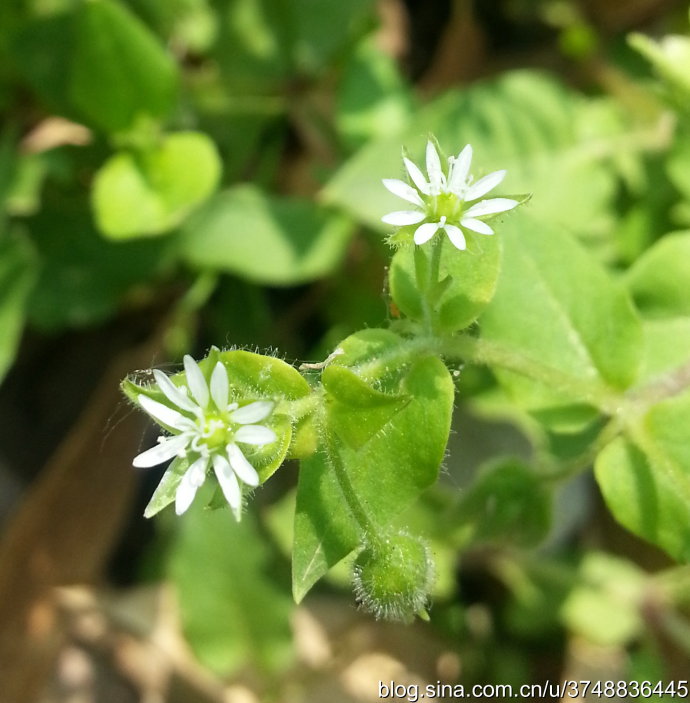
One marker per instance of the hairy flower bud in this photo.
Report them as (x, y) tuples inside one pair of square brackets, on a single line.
[(393, 578)]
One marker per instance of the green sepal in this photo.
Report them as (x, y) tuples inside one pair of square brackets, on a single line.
[(166, 489), (467, 280)]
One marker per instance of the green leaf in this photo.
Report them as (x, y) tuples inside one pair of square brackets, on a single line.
[(234, 612), (644, 498), (666, 346), (658, 281), (267, 239), (544, 135), (605, 602), (387, 472), (325, 531), (373, 98), (83, 277), (670, 57), (42, 50), (556, 307), (470, 279), (17, 276), (507, 504), (119, 73), (148, 193)]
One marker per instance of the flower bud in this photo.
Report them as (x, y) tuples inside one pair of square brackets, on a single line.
[(392, 578)]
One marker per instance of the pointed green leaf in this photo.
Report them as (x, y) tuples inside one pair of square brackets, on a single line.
[(555, 306), (387, 472), (643, 498)]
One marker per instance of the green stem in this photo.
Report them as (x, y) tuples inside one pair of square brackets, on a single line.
[(485, 352), (427, 283)]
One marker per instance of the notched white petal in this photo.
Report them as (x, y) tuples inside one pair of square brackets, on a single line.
[(476, 225), (164, 451), (460, 170), (403, 190), (400, 218), (491, 207), (196, 381), (425, 232), (173, 393), (165, 415), (254, 412), (255, 434), (417, 176), (433, 167), (484, 185), (456, 236), (220, 386), (244, 470), (227, 480), (189, 485)]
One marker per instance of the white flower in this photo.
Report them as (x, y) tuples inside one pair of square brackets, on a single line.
[(443, 201), (207, 429)]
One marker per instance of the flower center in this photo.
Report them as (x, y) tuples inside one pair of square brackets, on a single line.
[(215, 433), (446, 205)]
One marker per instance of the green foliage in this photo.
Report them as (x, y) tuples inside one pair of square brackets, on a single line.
[(268, 239), (507, 503), (658, 279), (554, 304), (234, 613), (375, 463), (182, 173), (17, 276), (119, 72), (150, 191)]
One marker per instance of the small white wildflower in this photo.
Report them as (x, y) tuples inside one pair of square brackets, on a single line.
[(444, 201), (208, 430)]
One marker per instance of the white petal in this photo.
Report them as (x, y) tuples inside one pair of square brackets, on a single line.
[(167, 449), (254, 412), (425, 232), (433, 168), (255, 434), (165, 415), (484, 185), (456, 236), (403, 190), (460, 169), (244, 470), (491, 207), (189, 485), (403, 217), (220, 386), (196, 382), (476, 225), (227, 480), (173, 393), (417, 176)]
